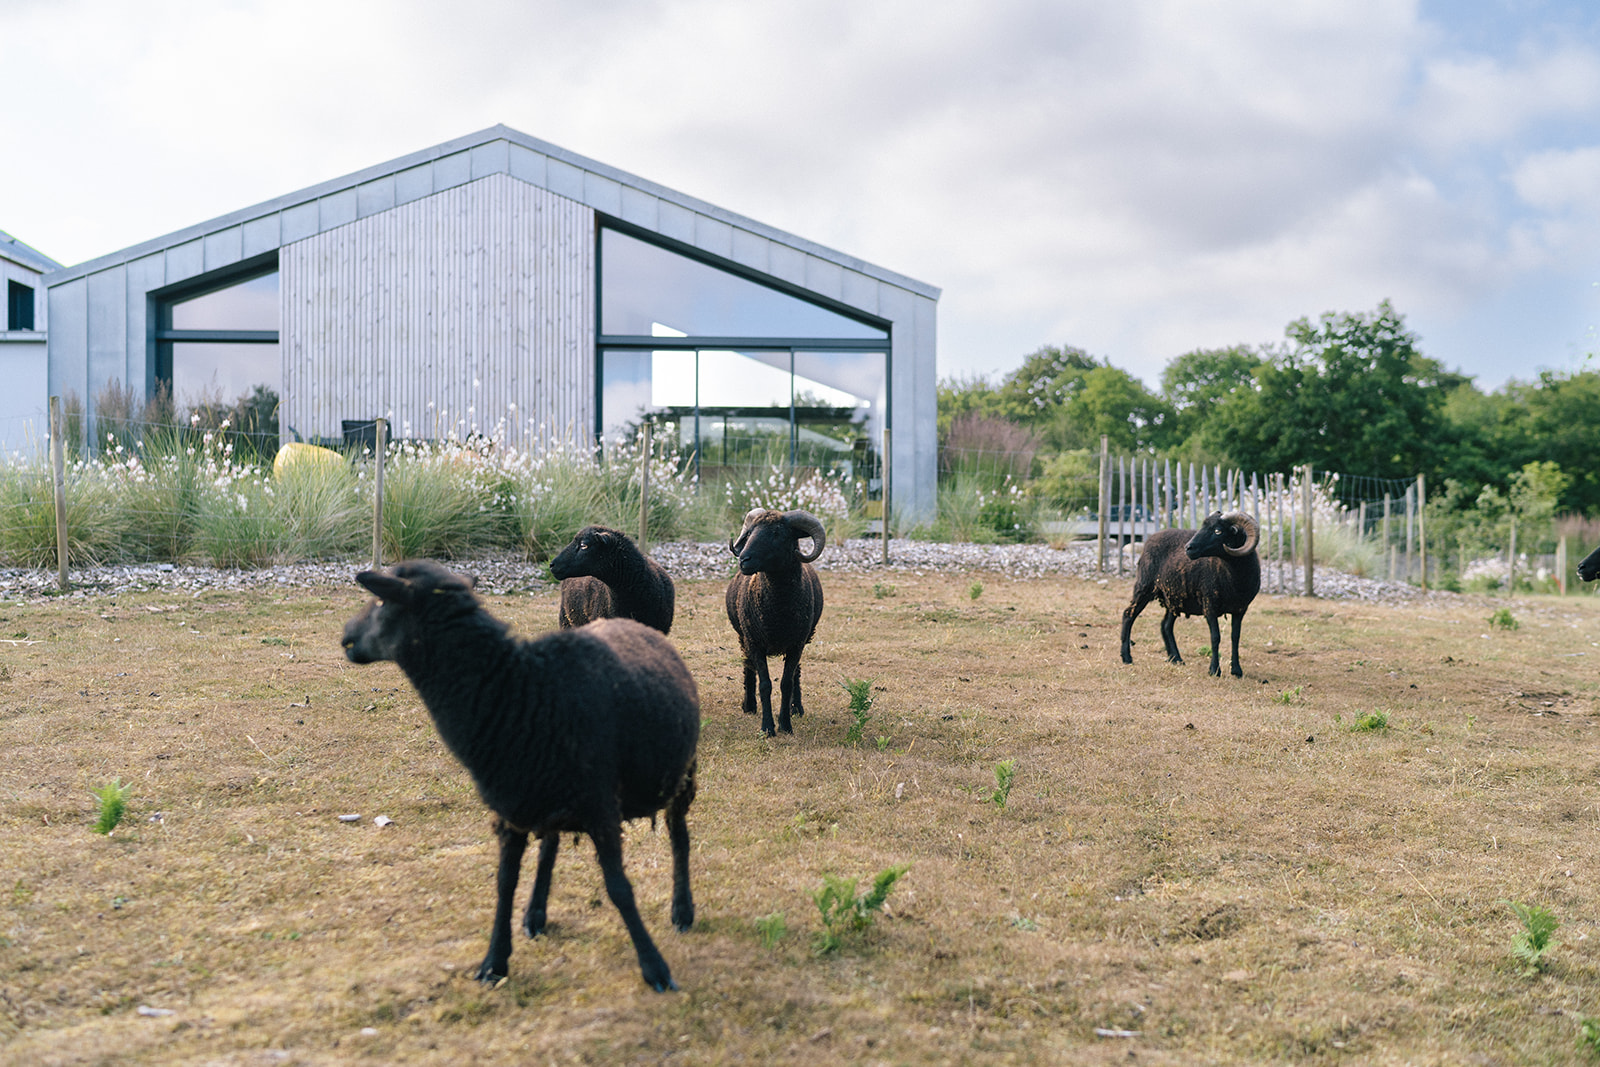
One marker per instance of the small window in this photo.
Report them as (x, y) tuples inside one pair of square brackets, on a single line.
[(19, 306)]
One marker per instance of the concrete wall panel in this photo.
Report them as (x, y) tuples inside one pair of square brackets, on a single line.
[(411, 184), (528, 165), (261, 235), (451, 171), (336, 209), (675, 221), (185, 261), (639, 208), (750, 250), (299, 221), (224, 248), (374, 197)]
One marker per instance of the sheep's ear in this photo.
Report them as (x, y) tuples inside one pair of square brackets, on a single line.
[(386, 586), (605, 538)]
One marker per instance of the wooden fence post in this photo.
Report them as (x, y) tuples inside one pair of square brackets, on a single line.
[(1310, 564), (1388, 551), (1561, 565), (1511, 560), (644, 494), (886, 497), (1422, 526), (380, 446), (58, 468), (1105, 496)]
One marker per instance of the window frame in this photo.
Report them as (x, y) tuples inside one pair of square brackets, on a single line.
[(604, 342)]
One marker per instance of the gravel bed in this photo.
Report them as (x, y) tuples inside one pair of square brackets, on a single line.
[(684, 560)]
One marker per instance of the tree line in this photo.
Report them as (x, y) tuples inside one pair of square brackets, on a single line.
[(1349, 392)]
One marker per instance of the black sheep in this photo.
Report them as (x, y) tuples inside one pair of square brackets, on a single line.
[(603, 575), (1589, 569), (774, 604), (1211, 571), (573, 732)]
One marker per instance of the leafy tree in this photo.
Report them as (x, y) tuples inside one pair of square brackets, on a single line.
[(1195, 383), (1045, 383), (960, 397), (1557, 419), (1351, 393), (1111, 402)]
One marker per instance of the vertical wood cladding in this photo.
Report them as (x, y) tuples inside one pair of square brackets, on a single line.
[(452, 312)]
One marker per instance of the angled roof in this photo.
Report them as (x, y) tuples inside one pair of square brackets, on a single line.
[(258, 229), (32, 258)]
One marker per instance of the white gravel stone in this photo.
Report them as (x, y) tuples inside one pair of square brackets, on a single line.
[(684, 560)]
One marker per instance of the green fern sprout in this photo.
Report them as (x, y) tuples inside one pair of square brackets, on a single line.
[(1536, 937), (861, 700), (1005, 772), (844, 913), (975, 590), (113, 798), (1504, 620), (1589, 1036), (772, 928)]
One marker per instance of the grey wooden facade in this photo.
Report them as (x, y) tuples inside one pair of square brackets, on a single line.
[(463, 277), (457, 312)]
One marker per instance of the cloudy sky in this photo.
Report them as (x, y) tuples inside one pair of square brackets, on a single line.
[(1138, 178)]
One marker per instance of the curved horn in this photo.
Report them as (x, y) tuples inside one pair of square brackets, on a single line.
[(736, 546), (1252, 533), (807, 525)]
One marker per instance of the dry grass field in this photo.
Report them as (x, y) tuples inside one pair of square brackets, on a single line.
[(1206, 870)]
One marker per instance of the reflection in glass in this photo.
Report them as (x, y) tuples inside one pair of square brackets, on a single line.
[(222, 373), (840, 400), (643, 285), (740, 410), (249, 305)]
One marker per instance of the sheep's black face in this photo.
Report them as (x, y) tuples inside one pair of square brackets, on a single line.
[(583, 554), (771, 546), (1589, 569), (1214, 538), (362, 639), (410, 594)]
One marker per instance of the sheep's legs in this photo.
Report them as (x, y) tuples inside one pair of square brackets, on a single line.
[(513, 843), (789, 692), (1216, 645), (763, 682), (533, 922), (1238, 620), (678, 833), (608, 850), (749, 688), (1169, 639), (1129, 614)]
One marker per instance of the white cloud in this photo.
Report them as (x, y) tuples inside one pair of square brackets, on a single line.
[(1138, 179)]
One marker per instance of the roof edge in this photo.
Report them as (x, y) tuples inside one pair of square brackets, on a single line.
[(499, 132), (24, 254)]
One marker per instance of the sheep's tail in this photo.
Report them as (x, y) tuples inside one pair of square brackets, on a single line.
[(1252, 533)]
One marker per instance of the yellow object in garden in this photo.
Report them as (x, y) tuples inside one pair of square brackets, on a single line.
[(300, 452)]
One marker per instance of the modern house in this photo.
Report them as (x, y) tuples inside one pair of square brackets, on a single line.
[(23, 415), (497, 283)]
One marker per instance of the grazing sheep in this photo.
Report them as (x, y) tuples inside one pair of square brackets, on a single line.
[(1211, 571), (572, 732), (1589, 569), (603, 575), (774, 603)]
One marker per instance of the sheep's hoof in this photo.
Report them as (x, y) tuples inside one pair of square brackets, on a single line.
[(489, 974), (533, 927)]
